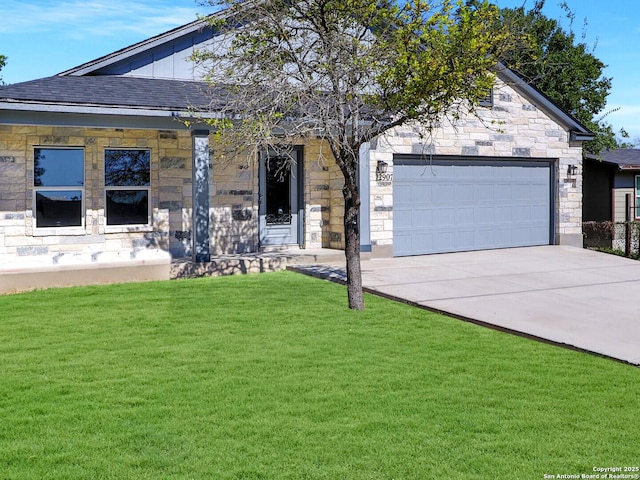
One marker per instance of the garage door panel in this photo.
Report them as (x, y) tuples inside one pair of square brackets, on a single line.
[(539, 213), (484, 215), (464, 239), (538, 191), (444, 191), (464, 192), (461, 173), (469, 206), (403, 220), (403, 192), (422, 216), (464, 216), (504, 192), (407, 243), (485, 237), (444, 216), (422, 194), (483, 192), (503, 214), (442, 238)]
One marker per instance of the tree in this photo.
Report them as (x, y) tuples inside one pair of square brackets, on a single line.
[(346, 71), (3, 62), (563, 68)]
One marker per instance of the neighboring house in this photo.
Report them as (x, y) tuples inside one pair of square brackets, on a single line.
[(611, 193), (96, 170), (611, 186)]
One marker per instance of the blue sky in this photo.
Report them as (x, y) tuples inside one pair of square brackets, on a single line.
[(45, 37)]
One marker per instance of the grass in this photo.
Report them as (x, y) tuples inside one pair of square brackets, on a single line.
[(271, 377), (618, 252)]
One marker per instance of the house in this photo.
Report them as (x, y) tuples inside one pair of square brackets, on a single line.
[(97, 171), (611, 189), (612, 185)]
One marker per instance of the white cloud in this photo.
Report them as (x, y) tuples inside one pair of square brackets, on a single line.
[(83, 19), (44, 37)]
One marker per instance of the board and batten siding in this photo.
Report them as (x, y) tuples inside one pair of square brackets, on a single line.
[(619, 203)]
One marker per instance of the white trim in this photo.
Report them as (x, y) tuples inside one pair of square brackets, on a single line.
[(67, 229), (59, 231), (127, 228)]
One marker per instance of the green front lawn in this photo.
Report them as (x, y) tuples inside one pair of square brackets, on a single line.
[(271, 376)]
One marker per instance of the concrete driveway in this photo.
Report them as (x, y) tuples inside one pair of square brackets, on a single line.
[(568, 295)]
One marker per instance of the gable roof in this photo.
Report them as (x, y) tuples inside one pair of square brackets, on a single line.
[(62, 93), (165, 94), (623, 158)]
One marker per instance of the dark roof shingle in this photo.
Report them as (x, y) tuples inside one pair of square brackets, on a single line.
[(112, 91), (625, 158)]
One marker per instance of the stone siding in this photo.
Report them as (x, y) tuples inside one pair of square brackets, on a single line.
[(511, 128), (234, 198), (318, 164), (94, 239)]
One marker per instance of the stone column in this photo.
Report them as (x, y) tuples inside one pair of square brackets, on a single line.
[(201, 233)]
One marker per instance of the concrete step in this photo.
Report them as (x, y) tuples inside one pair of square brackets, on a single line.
[(260, 262)]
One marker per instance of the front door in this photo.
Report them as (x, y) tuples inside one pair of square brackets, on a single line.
[(279, 198)]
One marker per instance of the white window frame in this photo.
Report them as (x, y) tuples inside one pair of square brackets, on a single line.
[(65, 229), (139, 227)]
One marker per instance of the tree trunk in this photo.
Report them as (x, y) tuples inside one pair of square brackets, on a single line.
[(352, 243)]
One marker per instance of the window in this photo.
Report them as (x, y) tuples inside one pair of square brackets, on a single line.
[(58, 181), (637, 209), (127, 184)]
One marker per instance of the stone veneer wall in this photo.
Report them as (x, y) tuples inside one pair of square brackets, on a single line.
[(20, 238), (234, 192), (318, 164), (512, 128), (336, 231), (233, 199), (233, 206)]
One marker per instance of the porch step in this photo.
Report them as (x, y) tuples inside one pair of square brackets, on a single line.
[(260, 262)]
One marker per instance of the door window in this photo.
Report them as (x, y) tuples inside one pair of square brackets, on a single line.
[(278, 191)]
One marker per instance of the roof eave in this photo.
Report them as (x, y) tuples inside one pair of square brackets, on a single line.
[(90, 109), (578, 136)]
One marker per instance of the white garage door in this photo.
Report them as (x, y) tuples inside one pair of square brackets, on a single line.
[(453, 205)]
